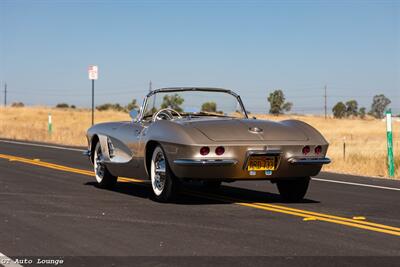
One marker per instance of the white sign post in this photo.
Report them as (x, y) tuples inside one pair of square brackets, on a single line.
[(93, 71)]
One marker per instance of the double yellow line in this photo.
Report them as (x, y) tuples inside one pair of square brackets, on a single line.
[(306, 215), (309, 215)]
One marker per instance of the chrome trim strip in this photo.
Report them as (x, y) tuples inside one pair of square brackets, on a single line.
[(309, 161), (205, 162)]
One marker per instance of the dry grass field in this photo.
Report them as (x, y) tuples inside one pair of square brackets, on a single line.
[(365, 139)]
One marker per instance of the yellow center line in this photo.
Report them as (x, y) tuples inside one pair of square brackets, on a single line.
[(358, 220), (306, 215), (57, 167)]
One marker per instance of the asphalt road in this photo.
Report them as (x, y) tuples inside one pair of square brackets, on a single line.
[(50, 210)]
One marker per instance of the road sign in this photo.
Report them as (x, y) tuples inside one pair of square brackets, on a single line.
[(93, 72)]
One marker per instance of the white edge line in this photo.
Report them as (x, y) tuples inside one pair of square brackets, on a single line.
[(7, 262), (350, 183), (38, 145)]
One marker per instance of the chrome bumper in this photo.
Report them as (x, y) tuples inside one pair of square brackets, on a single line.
[(309, 161), (203, 162)]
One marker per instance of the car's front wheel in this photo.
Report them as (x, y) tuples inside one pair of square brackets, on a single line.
[(103, 177), (163, 181), (293, 190)]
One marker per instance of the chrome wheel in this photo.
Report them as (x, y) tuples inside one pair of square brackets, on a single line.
[(158, 171), (163, 182), (103, 177), (98, 164)]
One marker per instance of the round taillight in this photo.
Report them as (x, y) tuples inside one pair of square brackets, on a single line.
[(220, 150), (318, 150), (204, 150), (306, 150)]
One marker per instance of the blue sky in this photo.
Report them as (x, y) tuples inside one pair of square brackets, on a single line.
[(252, 47)]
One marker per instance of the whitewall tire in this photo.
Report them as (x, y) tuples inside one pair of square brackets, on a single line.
[(103, 177), (163, 183)]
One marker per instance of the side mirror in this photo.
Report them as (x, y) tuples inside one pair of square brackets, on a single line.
[(133, 113)]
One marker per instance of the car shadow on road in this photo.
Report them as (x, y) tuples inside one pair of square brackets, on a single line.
[(192, 194)]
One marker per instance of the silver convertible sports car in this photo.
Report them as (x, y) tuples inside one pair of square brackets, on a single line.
[(205, 134)]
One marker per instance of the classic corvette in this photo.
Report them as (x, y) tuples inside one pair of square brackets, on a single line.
[(186, 134)]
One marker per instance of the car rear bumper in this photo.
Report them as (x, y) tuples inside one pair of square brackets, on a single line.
[(309, 161), (233, 169)]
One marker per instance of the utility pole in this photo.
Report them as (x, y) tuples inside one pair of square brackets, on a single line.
[(5, 94), (325, 107), (150, 87)]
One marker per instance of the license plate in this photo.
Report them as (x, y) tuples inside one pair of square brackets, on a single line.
[(261, 164)]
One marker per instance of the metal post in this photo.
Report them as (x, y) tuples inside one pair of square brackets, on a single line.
[(389, 137), (5, 94), (92, 102)]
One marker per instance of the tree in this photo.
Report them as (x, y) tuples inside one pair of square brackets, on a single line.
[(379, 104), (277, 103), (172, 101), (209, 107), (339, 110), (132, 105), (62, 105), (110, 106), (351, 108), (362, 113)]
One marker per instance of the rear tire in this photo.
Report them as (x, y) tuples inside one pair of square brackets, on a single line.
[(293, 190), (103, 177), (163, 182)]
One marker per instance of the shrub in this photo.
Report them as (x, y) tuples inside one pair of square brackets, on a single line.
[(17, 105), (62, 105)]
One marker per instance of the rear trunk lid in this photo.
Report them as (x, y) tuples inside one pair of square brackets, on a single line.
[(245, 130)]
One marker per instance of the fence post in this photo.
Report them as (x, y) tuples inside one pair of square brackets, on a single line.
[(389, 138), (344, 148), (49, 124)]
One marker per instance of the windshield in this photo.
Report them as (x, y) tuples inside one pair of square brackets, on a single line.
[(195, 103)]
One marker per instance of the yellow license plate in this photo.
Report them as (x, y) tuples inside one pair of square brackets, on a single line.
[(261, 164)]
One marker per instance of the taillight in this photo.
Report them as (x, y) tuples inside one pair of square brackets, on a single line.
[(318, 150), (204, 150), (220, 150), (306, 150)]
